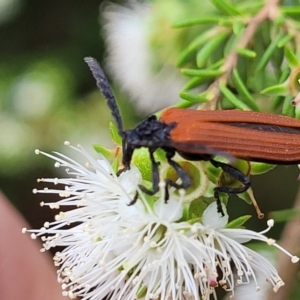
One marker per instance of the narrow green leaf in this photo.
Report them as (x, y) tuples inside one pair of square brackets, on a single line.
[(203, 72), (115, 165), (194, 45), (268, 53), (290, 10), (245, 52), (238, 27), (287, 108), (209, 48), (107, 153), (114, 134), (278, 89), (217, 64), (280, 19), (181, 104), (277, 100), (232, 41), (225, 7), (198, 98), (297, 111), (194, 82), (284, 215), (232, 98), (284, 40), (198, 21), (238, 222), (291, 56), (242, 89)]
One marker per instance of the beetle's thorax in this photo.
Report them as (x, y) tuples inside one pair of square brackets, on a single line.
[(150, 133)]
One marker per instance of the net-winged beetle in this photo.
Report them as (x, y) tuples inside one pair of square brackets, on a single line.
[(200, 135)]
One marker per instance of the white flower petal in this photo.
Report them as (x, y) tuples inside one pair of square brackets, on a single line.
[(212, 218)]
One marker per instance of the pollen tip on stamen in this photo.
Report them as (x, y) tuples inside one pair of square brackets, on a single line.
[(33, 236), (34, 191), (24, 230), (57, 165), (37, 151), (67, 143), (257, 288), (295, 259), (79, 146), (42, 203), (270, 223), (270, 242)]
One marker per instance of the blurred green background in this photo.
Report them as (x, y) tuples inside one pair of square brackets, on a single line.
[(48, 95)]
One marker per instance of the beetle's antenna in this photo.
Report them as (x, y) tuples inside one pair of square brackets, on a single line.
[(105, 89)]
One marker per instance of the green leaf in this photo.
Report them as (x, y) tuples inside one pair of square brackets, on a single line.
[(238, 27), (181, 104), (210, 46), (194, 82), (217, 64), (198, 98), (141, 160), (194, 45), (203, 72), (278, 89), (238, 222), (268, 53), (198, 21), (258, 168), (114, 134), (284, 40), (224, 7), (107, 153), (245, 52), (232, 41), (276, 101), (232, 98), (115, 165), (284, 215), (291, 56), (290, 10), (242, 89), (297, 112), (287, 108)]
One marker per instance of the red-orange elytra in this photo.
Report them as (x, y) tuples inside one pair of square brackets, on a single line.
[(249, 135), (201, 135)]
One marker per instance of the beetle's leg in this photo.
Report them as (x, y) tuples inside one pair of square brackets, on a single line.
[(122, 170), (155, 176), (182, 174), (236, 174)]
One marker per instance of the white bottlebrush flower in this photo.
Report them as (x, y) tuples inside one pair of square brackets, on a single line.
[(143, 251), (133, 61)]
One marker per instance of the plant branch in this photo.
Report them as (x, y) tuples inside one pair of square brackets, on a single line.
[(268, 11)]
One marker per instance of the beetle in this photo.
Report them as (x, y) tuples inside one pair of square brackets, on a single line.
[(200, 135)]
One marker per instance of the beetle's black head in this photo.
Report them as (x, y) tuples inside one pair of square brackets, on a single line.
[(150, 133)]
